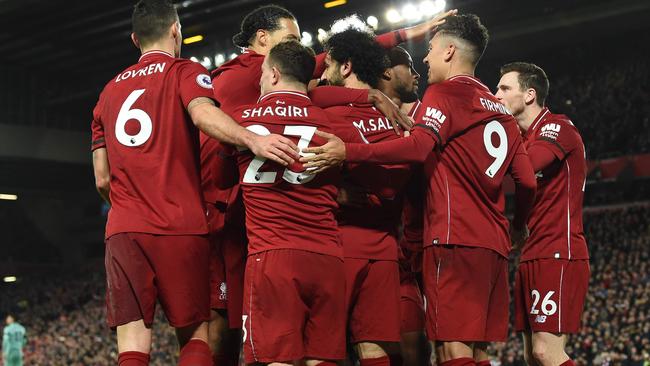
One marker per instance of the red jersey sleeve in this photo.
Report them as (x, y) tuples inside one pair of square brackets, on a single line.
[(559, 136), (433, 116), (522, 173), (97, 128), (541, 156), (194, 81)]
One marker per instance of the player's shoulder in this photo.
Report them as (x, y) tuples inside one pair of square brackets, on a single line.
[(557, 122), (243, 64), (339, 110)]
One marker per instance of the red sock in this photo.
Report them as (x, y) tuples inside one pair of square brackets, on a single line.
[(396, 360), (195, 353), (483, 363), (379, 361), (133, 358), (568, 362), (464, 361)]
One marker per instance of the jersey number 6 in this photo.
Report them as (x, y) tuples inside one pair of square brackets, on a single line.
[(126, 114)]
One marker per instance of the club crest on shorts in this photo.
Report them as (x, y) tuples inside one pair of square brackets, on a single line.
[(204, 81), (223, 288)]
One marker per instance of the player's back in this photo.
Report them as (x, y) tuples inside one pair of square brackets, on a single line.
[(285, 208), (370, 232), (477, 141), (152, 146)]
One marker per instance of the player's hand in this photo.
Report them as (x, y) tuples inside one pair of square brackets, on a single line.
[(275, 147), (329, 155), (418, 32), (518, 236), (389, 109)]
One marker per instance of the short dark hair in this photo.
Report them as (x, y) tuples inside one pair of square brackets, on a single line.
[(151, 19), (530, 76), (266, 17), (467, 27), (368, 58), (295, 61)]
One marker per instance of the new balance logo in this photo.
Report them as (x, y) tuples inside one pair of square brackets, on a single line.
[(540, 319)]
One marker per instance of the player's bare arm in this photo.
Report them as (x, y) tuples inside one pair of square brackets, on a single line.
[(102, 173), (217, 124)]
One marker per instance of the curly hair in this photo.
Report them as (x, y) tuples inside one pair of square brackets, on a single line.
[(266, 17), (467, 27), (368, 58)]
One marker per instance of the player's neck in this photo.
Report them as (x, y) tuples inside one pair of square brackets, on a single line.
[(293, 87), (528, 116), (461, 69), (354, 83), (390, 92), (258, 49), (158, 46)]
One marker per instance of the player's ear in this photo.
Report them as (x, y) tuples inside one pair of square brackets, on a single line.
[(135, 40), (449, 52), (346, 68), (275, 75), (262, 37), (388, 74), (530, 96)]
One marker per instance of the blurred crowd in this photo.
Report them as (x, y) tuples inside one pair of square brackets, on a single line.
[(65, 321), (607, 99), (65, 316)]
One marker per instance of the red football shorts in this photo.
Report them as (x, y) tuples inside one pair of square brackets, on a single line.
[(467, 294), (372, 300), (142, 268), (227, 265), (411, 306), (294, 307), (550, 295)]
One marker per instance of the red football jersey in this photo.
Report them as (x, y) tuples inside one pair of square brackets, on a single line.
[(477, 140), (153, 146), (555, 222), (237, 83), (476, 143), (285, 208), (370, 232)]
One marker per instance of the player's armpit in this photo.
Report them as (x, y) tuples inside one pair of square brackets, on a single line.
[(541, 157), (102, 173), (523, 175)]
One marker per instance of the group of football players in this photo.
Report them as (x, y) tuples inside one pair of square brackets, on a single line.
[(314, 207)]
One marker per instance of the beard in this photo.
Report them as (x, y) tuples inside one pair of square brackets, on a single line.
[(336, 79), (406, 95)]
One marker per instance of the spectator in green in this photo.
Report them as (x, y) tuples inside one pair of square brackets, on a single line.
[(13, 341)]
